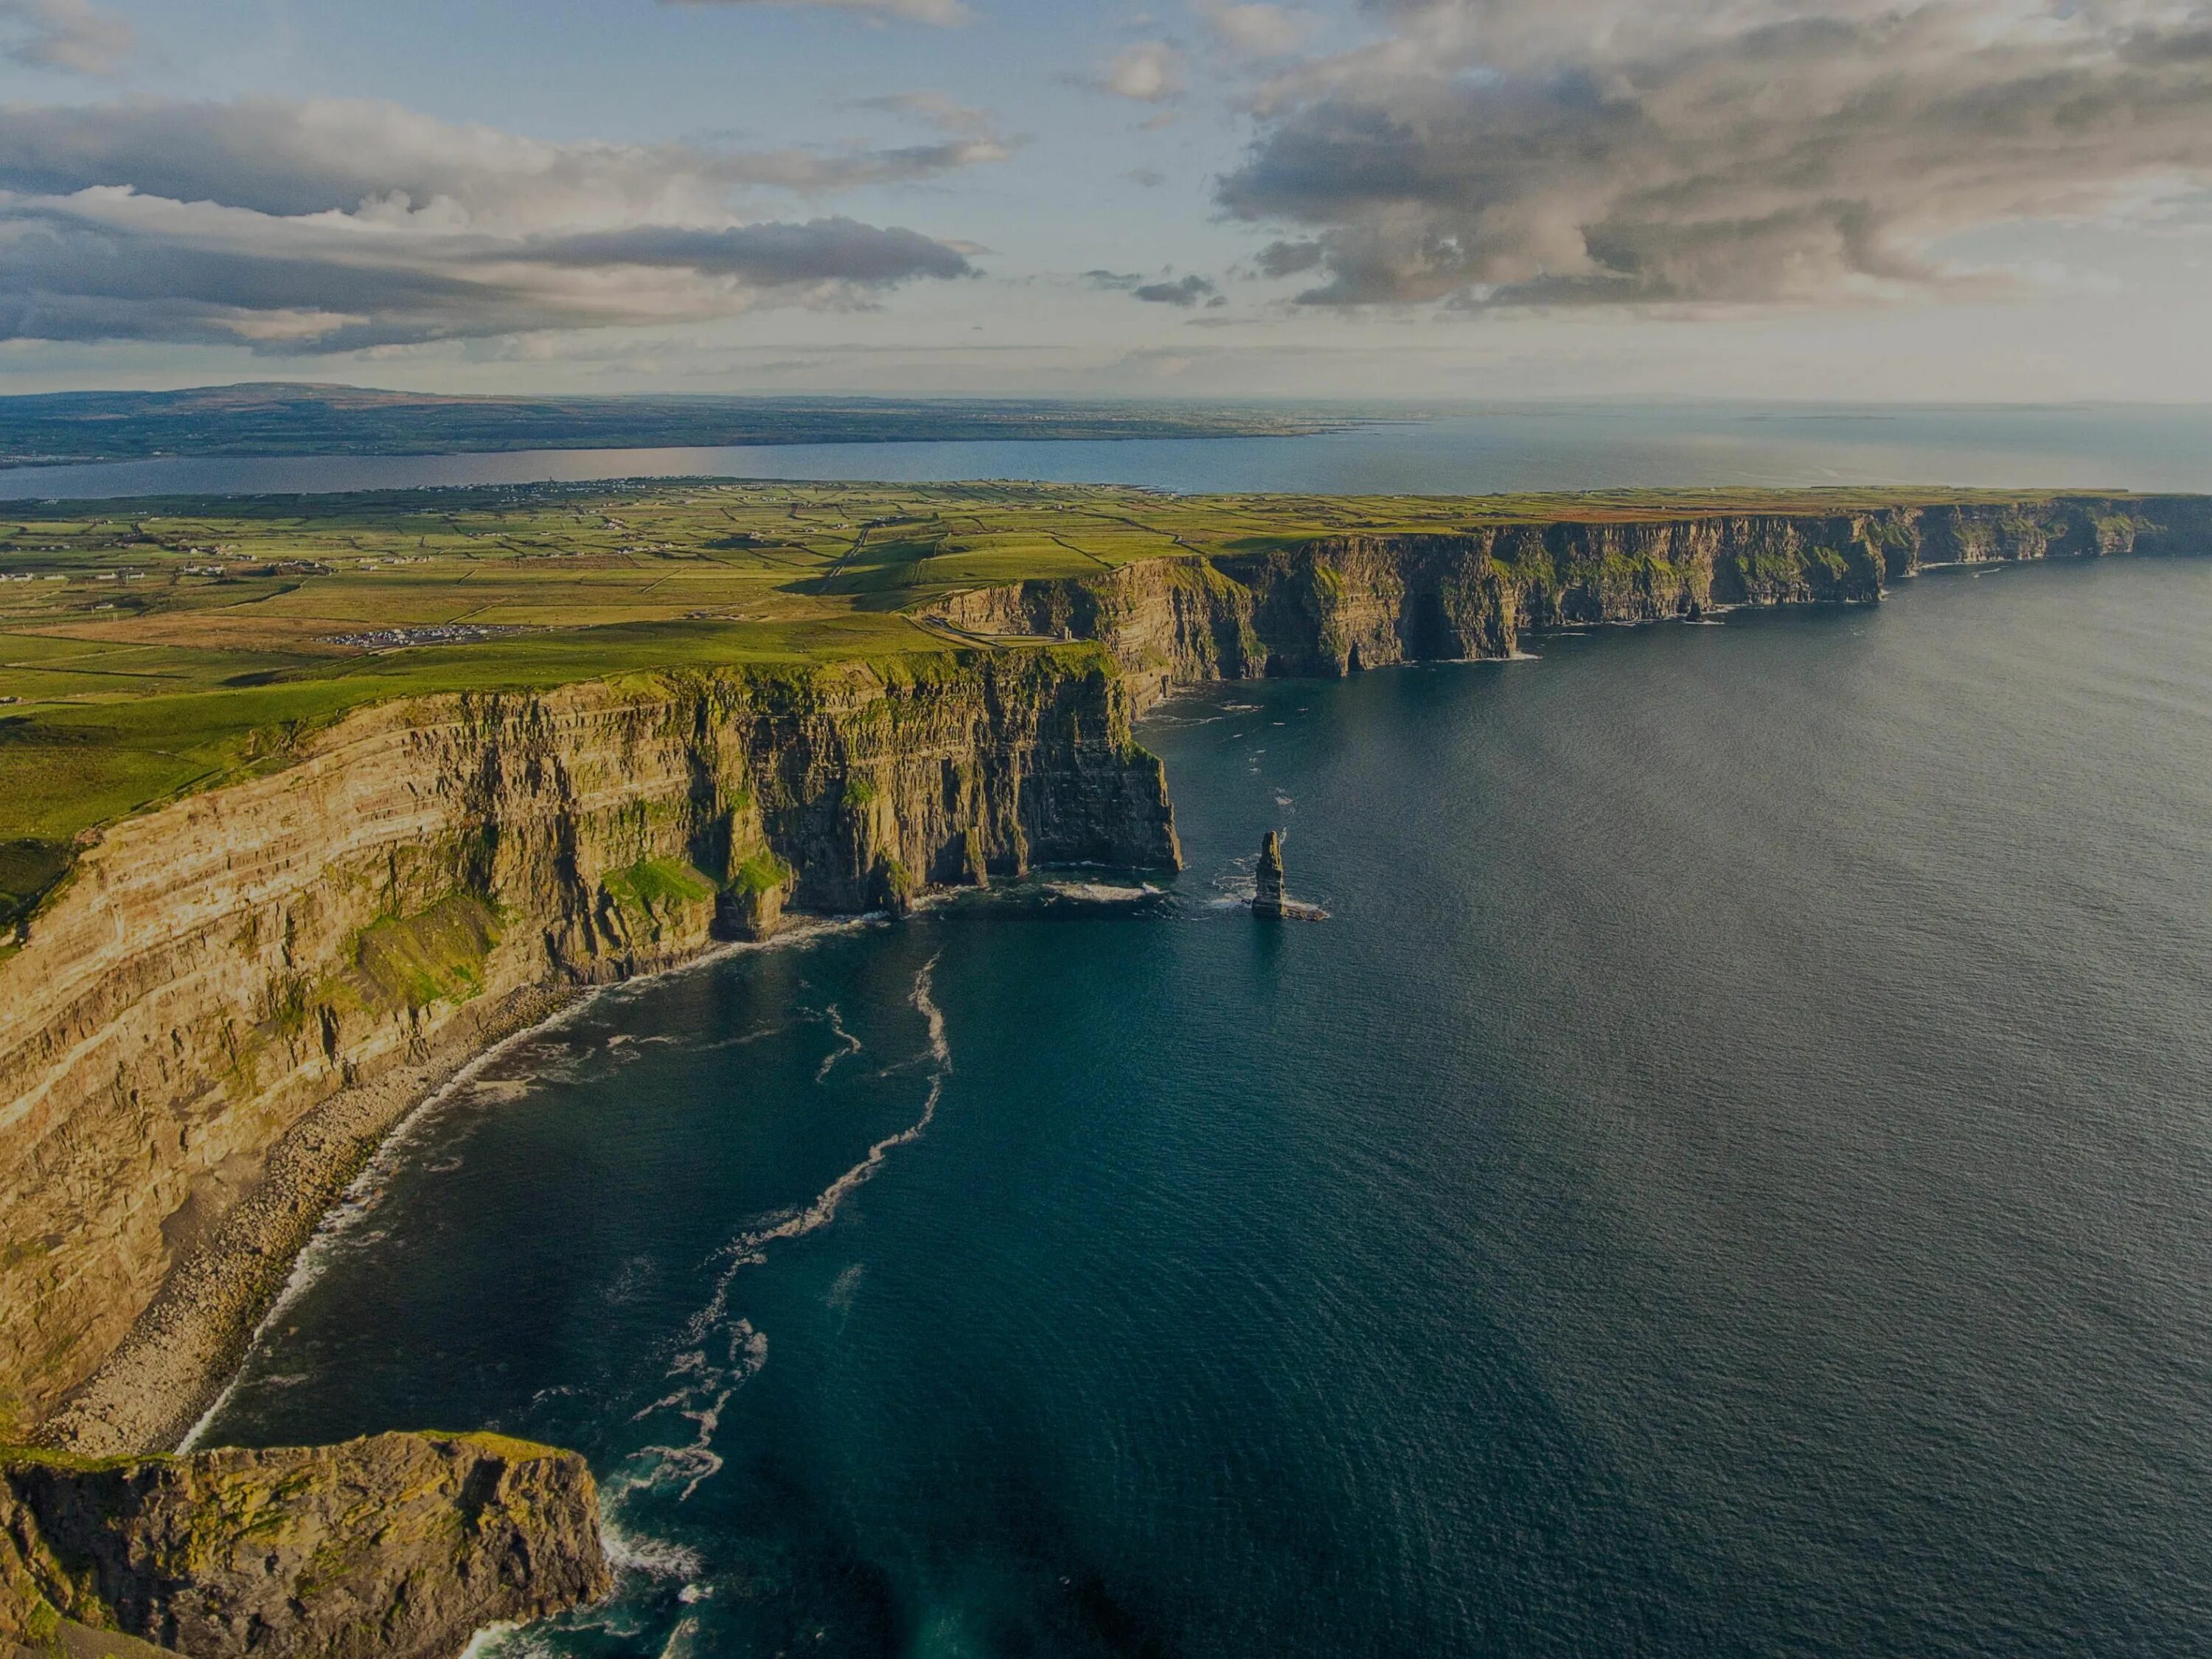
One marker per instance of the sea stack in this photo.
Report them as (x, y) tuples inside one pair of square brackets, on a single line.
[(1267, 896)]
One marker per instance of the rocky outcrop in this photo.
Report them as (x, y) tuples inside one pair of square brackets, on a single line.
[(400, 1545), (214, 970), (1267, 884), (1340, 603)]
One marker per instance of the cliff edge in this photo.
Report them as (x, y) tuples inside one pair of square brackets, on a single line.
[(1336, 604), (425, 875), (400, 1545)]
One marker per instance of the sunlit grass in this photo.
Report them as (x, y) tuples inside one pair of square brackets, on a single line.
[(162, 645)]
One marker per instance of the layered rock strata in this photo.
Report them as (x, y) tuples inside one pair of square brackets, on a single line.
[(217, 969), (1340, 603), (400, 1545), (1267, 883), (336, 935)]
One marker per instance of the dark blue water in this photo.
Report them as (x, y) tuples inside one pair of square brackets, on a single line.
[(1733, 1177), (1530, 447)]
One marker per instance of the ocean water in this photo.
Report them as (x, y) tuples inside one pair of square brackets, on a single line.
[(1523, 447), (1732, 1176)]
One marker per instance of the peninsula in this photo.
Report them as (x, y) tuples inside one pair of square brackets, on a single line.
[(308, 799)]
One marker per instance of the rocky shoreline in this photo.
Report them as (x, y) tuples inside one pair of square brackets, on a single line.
[(182, 1352), (206, 1032)]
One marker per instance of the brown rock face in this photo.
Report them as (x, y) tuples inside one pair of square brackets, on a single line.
[(214, 970), (1267, 893), (399, 1546), (1340, 603)]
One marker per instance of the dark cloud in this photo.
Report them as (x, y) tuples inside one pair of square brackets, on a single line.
[(280, 156), (1607, 151), (1188, 292), (324, 228), (764, 256)]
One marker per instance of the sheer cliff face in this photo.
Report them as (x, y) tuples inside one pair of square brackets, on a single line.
[(1340, 603), (216, 969)]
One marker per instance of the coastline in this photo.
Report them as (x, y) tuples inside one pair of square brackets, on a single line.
[(535, 1010), (177, 1358), (180, 1355), (162, 1385)]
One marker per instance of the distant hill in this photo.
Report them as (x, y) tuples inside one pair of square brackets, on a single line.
[(284, 418)]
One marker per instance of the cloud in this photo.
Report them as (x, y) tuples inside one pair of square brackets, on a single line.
[(334, 227), (937, 109), (64, 35), (1188, 292), (942, 13), (1150, 72), (279, 157), (1593, 152), (1257, 31)]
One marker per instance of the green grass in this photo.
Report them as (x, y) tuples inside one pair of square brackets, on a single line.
[(435, 955), (653, 884), (763, 872), (152, 647)]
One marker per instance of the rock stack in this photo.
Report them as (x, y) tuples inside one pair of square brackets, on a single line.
[(1267, 896)]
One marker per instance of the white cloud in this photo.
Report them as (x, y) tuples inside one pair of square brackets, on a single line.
[(939, 110), (64, 35), (1654, 151), (1257, 31), (336, 226), (1149, 72)]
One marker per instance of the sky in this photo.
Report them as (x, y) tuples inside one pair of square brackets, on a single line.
[(1877, 200)]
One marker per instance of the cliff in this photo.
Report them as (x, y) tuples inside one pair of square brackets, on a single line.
[(1339, 603), (231, 999), (401, 1545), (284, 963)]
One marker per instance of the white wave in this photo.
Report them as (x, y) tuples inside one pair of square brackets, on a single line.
[(1099, 892), (490, 1639), (747, 1041), (848, 1044), (651, 1558), (704, 1386), (361, 1195)]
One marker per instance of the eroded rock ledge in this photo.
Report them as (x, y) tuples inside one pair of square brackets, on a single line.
[(400, 1546)]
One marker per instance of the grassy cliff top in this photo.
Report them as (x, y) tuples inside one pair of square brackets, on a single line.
[(152, 646)]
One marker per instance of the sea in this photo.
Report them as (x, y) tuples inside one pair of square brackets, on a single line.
[(1731, 1174), (1450, 451)]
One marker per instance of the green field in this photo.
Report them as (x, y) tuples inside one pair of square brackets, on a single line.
[(155, 646)]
